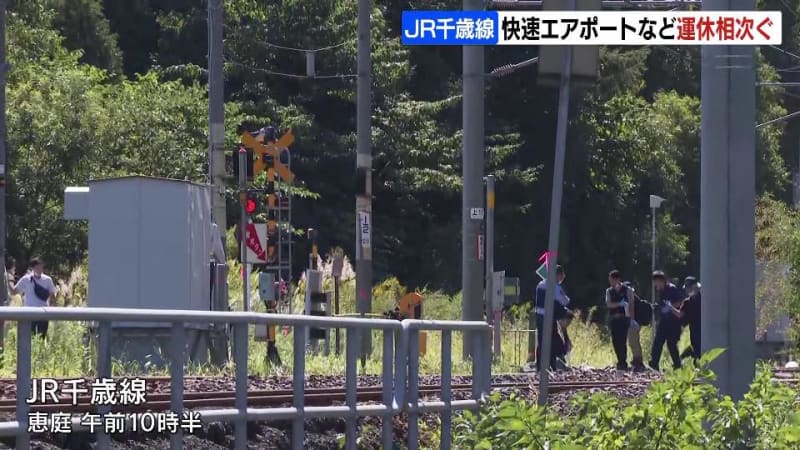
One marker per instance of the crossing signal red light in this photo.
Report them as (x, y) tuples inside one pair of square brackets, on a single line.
[(250, 206)]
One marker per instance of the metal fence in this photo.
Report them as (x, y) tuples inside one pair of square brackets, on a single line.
[(400, 367)]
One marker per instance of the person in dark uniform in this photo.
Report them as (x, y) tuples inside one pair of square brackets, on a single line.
[(668, 329), (691, 316), (558, 347), (619, 317), (620, 302)]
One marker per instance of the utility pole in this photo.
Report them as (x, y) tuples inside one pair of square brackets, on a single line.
[(490, 287), (364, 171), (472, 182), (3, 139), (243, 229), (555, 217), (727, 193), (655, 203), (216, 119)]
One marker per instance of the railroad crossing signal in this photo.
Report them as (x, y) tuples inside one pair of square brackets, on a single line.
[(249, 200), (269, 154)]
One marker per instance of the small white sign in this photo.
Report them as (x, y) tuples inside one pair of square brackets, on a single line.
[(365, 229), (257, 243), (498, 289), (476, 213)]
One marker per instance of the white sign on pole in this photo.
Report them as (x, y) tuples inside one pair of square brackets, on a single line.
[(476, 213), (498, 289), (365, 229), (256, 239)]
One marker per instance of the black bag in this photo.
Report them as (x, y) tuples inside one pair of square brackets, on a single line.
[(41, 292), (643, 312)]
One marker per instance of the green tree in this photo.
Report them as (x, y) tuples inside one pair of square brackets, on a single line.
[(69, 122), (84, 27)]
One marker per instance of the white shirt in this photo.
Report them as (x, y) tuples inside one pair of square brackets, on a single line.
[(25, 287)]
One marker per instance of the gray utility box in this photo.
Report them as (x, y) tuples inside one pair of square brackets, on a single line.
[(149, 243)]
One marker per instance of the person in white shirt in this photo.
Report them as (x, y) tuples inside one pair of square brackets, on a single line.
[(37, 289)]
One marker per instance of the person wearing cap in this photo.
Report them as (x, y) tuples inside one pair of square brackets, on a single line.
[(668, 329), (691, 316), (558, 347)]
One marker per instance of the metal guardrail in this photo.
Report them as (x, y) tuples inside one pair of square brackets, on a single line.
[(400, 369)]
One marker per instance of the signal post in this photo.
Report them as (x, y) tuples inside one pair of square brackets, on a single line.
[(267, 241)]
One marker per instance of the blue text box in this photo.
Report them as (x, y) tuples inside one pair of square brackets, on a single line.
[(450, 27)]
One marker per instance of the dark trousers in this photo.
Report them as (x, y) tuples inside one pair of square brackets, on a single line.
[(669, 332), (694, 338), (556, 344), (39, 328), (619, 338)]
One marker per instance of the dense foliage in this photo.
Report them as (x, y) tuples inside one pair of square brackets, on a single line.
[(778, 250), (684, 411), (101, 88)]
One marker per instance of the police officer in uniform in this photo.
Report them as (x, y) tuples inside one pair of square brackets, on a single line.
[(619, 317), (668, 329), (620, 302), (560, 315), (691, 316)]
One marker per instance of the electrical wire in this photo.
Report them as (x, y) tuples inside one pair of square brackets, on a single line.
[(779, 119), (775, 47), (293, 49), (302, 50), (290, 75), (789, 8)]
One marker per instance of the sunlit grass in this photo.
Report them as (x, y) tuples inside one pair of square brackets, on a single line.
[(66, 353)]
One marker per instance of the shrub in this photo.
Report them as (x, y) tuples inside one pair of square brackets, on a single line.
[(681, 411)]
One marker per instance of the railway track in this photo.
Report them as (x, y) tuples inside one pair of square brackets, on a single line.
[(315, 396), (283, 397)]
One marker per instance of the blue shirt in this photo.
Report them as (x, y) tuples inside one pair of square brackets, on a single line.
[(670, 294), (561, 300)]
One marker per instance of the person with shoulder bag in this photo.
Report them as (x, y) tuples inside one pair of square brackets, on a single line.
[(37, 290), (624, 329)]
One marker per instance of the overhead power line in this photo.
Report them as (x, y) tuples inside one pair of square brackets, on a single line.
[(779, 119), (290, 75), (302, 50)]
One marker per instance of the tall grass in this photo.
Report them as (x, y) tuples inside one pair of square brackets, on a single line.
[(67, 352)]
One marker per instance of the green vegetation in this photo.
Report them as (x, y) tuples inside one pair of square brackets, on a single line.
[(66, 354), (778, 249), (681, 411), (100, 88)]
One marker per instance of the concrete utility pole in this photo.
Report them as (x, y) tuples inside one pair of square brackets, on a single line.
[(727, 218), (364, 170), (472, 181), (216, 119), (3, 170), (555, 217), (3, 136)]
